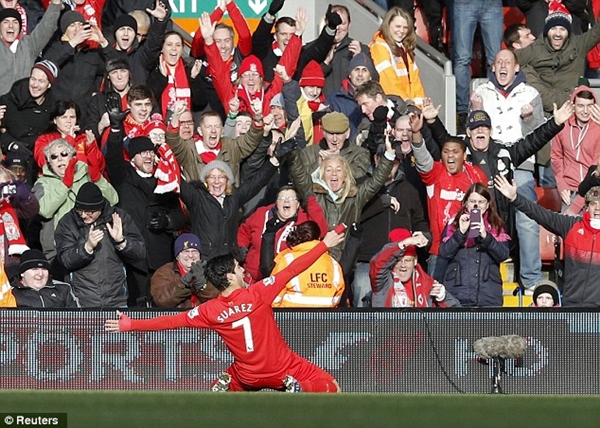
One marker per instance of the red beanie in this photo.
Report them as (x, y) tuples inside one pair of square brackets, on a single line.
[(399, 235), (312, 75), (155, 124), (251, 63)]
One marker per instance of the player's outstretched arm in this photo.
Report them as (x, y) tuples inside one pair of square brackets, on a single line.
[(166, 322), (121, 324)]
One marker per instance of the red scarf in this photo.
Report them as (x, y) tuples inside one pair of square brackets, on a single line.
[(314, 105), (12, 240), (167, 173), (276, 49), (246, 98), (23, 14), (207, 155), (177, 89), (92, 13), (417, 289)]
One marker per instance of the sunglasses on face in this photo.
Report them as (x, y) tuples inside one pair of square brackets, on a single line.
[(63, 154)]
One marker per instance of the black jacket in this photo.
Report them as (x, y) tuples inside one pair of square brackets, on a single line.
[(54, 295), (217, 225), (99, 278), (24, 120), (80, 72), (137, 198), (378, 219)]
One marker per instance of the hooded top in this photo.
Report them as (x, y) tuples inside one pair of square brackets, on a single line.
[(575, 149)]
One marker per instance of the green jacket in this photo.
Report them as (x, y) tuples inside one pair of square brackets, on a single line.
[(56, 200), (358, 157), (350, 209), (233, 152), (556, 73)]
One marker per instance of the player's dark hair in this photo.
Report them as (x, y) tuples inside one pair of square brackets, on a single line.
[(217, 269), (304, 232)]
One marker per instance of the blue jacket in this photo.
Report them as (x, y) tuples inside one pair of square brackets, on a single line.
[(473, 273)]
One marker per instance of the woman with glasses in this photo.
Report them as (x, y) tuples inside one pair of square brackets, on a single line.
[(213, 205), (277, 220), (64, 123), (251, 83), (475, 244), (56, 189)]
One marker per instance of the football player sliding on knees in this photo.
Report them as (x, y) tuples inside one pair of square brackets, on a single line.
[(244, 319)]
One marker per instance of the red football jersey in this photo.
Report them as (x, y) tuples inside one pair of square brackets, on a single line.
[(245, 322)]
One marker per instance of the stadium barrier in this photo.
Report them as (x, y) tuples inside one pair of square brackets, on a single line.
[(408, 351)]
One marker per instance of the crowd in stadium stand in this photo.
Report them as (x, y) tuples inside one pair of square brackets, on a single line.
[(126, 163)]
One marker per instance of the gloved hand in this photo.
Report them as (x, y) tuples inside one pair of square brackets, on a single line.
[(273, 225), (195, 279), (70, 173), (20, 148), (113, 106), (285, 148), (380, 114), (276, 6), (333, 18), (159, 220), (22, 192), (94, 170)]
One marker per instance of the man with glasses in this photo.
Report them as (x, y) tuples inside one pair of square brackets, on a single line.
[(398, 281), (61, 179), (93, 241), (193, 154), (176, 284)]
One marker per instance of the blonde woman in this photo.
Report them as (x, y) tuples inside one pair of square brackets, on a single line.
[(336, 190), (393, 52)]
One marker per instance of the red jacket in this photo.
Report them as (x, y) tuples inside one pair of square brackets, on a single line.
[(593, 56), (220, 70), (418, 288), (244, 43), (445, 193), (575, 149), (84, 151), (250, 232)]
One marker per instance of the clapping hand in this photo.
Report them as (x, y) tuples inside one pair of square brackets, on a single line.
[(195, 278)]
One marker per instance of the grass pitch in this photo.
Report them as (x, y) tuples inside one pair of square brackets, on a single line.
[(89, 409)]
